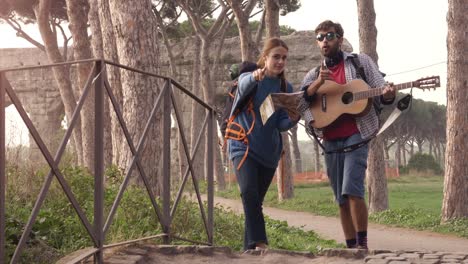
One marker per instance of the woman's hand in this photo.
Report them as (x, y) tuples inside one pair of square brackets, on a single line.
[(259, 74)]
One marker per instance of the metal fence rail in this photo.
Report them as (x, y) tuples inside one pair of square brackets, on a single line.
[(98, 230)]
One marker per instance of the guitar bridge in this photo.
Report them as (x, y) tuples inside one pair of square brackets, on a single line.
[(324, 102)]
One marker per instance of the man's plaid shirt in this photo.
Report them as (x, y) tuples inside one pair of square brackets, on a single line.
[(368, 125)]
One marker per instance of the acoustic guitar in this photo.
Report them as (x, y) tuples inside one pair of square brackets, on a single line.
[(355, 98)]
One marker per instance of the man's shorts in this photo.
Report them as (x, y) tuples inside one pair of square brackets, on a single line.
[(346, 171)]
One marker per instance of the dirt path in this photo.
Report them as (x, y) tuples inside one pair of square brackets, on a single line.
[(380, 236)]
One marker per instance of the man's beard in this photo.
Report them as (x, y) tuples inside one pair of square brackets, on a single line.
[(332, 52)]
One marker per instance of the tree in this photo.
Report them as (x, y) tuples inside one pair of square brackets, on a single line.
[(296, 150), (456, 169), (169, 8), (272, 9), (98, 52), (249, 50), (109, 46), (137, 46), (376, 180), (77, 11), (207, 37)]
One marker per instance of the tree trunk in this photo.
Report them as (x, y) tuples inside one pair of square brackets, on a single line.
[(403, 152), (398, 154), (367, 29), (61, 74), (272, 18), (296, 151), (249, 50), (260, 30), (98, 52), (317, 157), (77, 11), (411, 149), (182, 158), (136, 39), (197, 113), (456, 170), (376, 186), (376, 180), (113, 75), (284, 175), (208, 95)]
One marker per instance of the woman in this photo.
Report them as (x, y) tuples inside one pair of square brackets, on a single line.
[(257, 158)]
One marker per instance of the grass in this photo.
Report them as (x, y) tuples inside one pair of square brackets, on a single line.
[(415, 202)]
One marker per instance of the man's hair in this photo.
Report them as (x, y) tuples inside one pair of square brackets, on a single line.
[(328, 24)]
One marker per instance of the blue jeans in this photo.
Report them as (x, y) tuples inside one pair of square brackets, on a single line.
[(346, 171), (254, 180)]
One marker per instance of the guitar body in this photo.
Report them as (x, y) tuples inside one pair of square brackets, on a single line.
[(334, 99)]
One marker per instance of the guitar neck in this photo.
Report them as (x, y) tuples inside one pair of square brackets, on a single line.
[(379, 91)]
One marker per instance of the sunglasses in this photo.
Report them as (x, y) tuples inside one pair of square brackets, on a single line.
[(329, 36)]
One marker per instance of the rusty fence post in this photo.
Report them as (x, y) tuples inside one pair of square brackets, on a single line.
[(210, 187), (2, 169), (99, 159), (166, 184)]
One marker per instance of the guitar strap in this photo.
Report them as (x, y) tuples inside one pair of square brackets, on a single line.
[(402, 105)]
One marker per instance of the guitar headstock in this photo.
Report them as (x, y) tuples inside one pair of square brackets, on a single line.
[(427, 83)]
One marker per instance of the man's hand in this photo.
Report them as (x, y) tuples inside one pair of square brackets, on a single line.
[(324, 73), (389, 92)]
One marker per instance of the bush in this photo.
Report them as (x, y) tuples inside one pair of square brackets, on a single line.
[(424, 162)]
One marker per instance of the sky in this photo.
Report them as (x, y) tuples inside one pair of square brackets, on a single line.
[(411, 39)]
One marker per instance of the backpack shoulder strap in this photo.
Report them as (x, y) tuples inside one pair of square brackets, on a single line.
[(357, 65), (317, 71)]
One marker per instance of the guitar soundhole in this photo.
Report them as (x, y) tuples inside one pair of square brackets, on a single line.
[(347, 98)]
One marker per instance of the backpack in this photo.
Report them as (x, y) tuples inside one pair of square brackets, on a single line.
[(234, 71)]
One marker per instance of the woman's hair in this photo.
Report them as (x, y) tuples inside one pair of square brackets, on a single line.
[(270, 44)]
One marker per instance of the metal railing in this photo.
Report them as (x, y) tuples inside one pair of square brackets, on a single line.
[(98, 230)]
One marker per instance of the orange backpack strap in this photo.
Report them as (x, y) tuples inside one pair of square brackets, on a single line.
[(235, 131)]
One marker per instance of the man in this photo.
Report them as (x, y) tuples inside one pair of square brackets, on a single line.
[(346, 170)]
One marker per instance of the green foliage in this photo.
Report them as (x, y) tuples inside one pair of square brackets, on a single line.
[(281, 236), (286, 6), (184, 29), (58, 230), (423, 162), (410, 216)]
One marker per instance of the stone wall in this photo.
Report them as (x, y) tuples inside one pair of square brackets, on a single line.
[(38, 93)]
